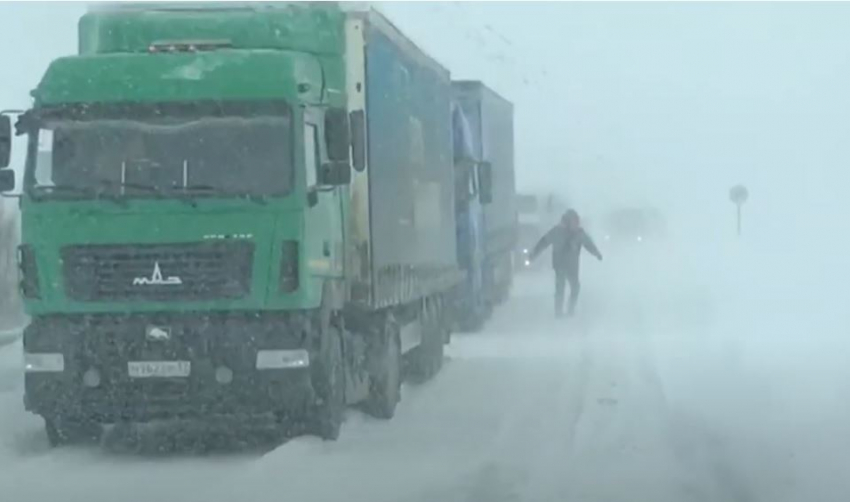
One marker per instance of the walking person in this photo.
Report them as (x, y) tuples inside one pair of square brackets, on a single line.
[(567, 239)]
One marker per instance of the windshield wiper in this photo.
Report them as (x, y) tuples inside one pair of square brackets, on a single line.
[(146, 188), (259, 199), (84, 190)]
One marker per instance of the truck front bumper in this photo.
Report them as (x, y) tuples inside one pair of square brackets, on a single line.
[(143, 367)]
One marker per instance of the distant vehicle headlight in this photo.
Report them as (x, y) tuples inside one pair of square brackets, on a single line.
[(527, 263), (525, 251)]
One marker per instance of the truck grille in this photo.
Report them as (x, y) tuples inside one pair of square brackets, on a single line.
[(196, 271)]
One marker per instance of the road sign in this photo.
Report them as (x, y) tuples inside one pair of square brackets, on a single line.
[(739, 194)]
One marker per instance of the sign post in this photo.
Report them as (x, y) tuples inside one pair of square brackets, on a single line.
[(739, 194)]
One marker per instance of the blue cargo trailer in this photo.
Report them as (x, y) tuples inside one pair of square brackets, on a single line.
[(401, 244), (472, 307), (490, 117), (402, 199)]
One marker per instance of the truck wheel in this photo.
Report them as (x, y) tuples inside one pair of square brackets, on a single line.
[(67, 431), (472, 321), (427, 359), (385, 384), (330, 389)]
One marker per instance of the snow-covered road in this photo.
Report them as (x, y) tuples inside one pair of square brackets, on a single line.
[(661, 390)]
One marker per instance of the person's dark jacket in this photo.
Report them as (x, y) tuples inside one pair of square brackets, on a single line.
[(566, 247)]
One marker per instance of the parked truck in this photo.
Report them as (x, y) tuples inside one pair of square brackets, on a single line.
[(491, 124), (531, 228), (537, 214), (472, 192), (238, 211)]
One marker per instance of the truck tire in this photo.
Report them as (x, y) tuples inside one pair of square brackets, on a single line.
[(427, 359), (473, 320), (329, 383), (63, 431), (385, 382)]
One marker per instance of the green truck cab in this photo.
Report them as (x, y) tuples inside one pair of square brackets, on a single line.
[(198, 235)]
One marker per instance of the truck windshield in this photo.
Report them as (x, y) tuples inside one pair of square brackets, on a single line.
[(227, 155)]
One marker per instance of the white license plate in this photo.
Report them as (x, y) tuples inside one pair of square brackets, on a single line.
[(159, 369)]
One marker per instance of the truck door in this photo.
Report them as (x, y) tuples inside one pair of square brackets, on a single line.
[(324, 217)]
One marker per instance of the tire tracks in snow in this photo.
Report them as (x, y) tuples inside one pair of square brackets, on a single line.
[(693, 441), (531, 448)]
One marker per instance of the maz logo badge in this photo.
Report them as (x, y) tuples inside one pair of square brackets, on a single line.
[(158, 333), (156, 279)]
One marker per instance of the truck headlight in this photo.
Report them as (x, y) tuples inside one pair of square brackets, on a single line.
[(282, 359), (44, 363)]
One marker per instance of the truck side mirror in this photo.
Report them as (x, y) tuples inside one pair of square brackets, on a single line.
[(7, 180), (485, 182), (358, 140), (335, 173), (462, 184), (5, 140), (337, 134)]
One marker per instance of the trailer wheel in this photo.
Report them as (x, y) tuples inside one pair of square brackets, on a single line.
[(427, 359), (330, 389), (473, 320), (385, 382), (63, 431)]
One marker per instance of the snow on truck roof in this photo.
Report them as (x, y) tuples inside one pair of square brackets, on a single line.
[(186, 6), (363, 10), (476, 85), (371, 13)]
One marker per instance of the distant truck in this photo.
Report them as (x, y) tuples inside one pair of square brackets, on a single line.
[(472, 193), (244, 211), (491, 123), (530, 228), (537, 214), (634, 225)]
